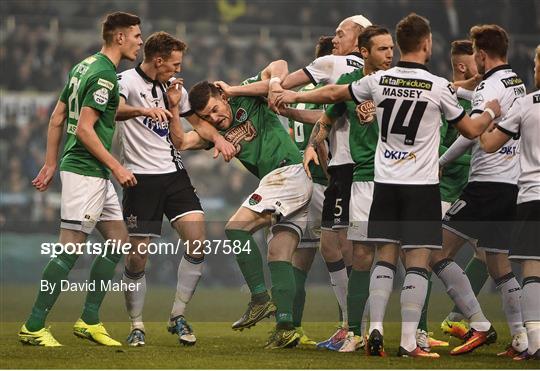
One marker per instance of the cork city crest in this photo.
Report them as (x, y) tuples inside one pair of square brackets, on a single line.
[(240, 115), (245, 131), (366, 112)]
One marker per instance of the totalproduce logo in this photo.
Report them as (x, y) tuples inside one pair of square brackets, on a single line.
[(399, 82)]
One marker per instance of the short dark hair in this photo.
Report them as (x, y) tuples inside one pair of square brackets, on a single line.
[(490, 38), (200, 94), (114, 21), (324, 46), (162, 44), (364, 39), (411, 31), (461, 47)]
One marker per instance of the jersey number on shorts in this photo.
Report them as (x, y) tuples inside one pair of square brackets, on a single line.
[(338, 209), (398, 126), (73, 100), (299, 127)]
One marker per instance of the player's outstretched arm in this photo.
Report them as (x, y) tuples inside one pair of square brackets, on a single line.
[(126, 112), (326, 94), (473, 127), (318, 136), (210, 134), (87, 135), (460, 146), (305, 116), (54, 138), (193, 141), (492, 141), (277, 69)]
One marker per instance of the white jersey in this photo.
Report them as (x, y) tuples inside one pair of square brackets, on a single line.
[(146, 147), (409, 101), (328, 70), (523, 120), (503, 84)]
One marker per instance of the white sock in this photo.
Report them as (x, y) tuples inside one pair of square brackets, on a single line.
[(455, 317), (511, 296), (459, 289), (189, 274), (530, 307), (365, 318), (413, 295), (340, 281), (380, 288), (135, 299)]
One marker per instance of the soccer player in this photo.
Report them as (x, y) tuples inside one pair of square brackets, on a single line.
[(307, 248), (335, 248), (487, 204), (454, 178), (267, 151), (88, 103), (406, 205), (376, 47), (523, 119), (149, 128)]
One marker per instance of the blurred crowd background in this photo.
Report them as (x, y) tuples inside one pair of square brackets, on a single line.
[(40, 40)]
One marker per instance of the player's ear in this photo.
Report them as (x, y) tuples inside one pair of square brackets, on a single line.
[(364, 52)]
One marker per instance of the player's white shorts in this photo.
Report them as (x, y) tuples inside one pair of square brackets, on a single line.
[(87, 200), (286, 192), (359, 206), (312, 233)]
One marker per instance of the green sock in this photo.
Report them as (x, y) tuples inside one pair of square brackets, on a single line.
[(357, 296), (283, 288), (477, 274), (102, 271), (55, 271), (250, 264), (299, 296), (422, 325)]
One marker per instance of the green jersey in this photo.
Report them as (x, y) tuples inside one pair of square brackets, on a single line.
[(363, 137), (456, 174), (302, 132), (263, 143), (92, 83)]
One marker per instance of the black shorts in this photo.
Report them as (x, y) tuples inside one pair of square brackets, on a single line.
[(526, 234), (154, 195), (485, 212), (409, 215), (335, 213)]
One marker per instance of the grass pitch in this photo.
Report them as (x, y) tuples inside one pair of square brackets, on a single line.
[(218, 346)]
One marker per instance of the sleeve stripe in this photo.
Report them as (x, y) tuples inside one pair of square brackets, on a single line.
[(352, 94), (507, 132), (306, 71), (187, 113), (476, 111), (457, 119), (122, 95)]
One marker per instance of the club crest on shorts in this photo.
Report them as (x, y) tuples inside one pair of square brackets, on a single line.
[(255, 199), (240, 115), (131, 221)]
